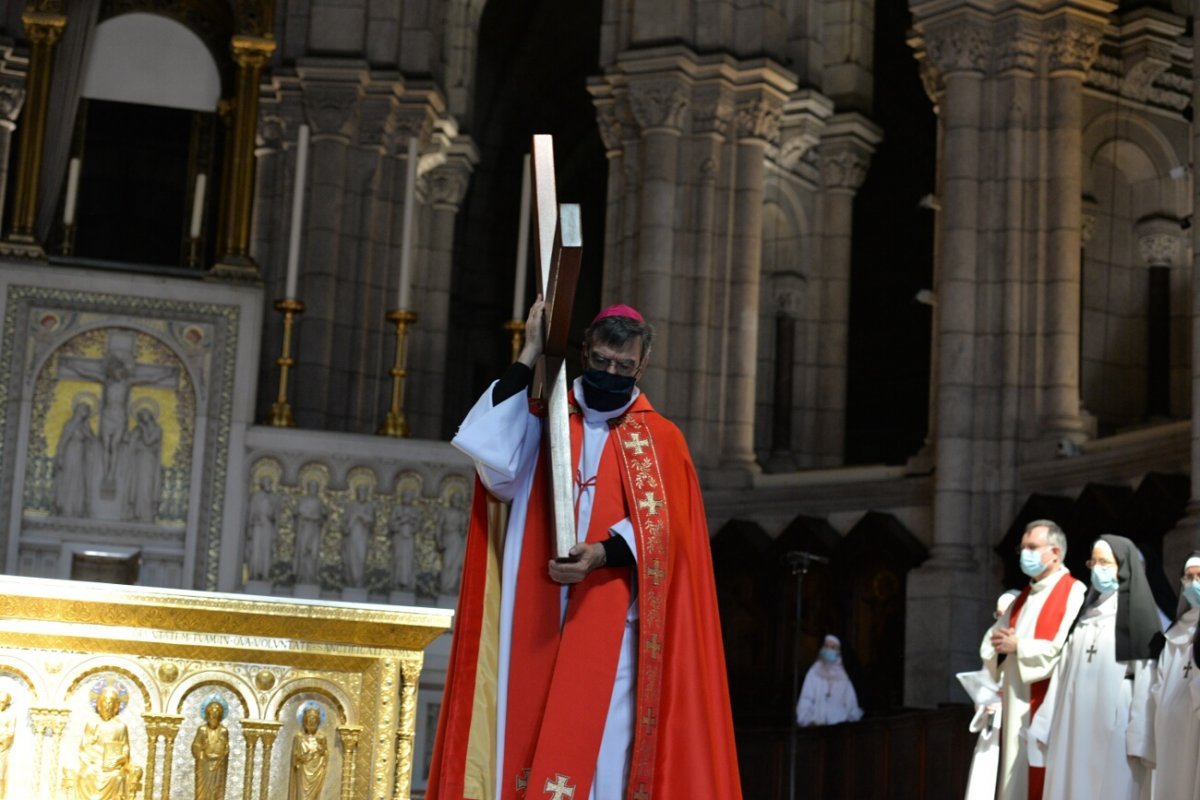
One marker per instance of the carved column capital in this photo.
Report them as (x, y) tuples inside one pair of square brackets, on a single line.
[(803, 120), (376, 120), (251, 52), (44, 27), (758, 118), (332, 108), (447, 184), (959, 45), (609, 123), (1074, 45), (712, 110), (660, 103), (1160, 241), (845, 151), (787, 293), (1019, 45)]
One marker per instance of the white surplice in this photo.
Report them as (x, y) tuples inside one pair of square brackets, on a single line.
[(504, 441), (1092, 725), (1033, 661), (1175, 708)]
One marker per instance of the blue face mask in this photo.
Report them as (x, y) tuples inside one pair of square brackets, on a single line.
[(1104, 579), (1031, 563), (829, 655), (1191, 592)]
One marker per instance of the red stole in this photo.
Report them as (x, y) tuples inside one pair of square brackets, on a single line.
[(1048, 623)]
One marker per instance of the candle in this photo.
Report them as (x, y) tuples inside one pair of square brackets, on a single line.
[(72, 192), (522, 244), (293, 262), (198, 206), (410, 201)]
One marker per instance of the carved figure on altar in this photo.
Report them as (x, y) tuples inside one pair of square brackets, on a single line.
[(261, 530), (210, 748), (402, 528), (8, 732), (452, 541), (311, 514), (359, 525), (144, 468), (310, 756), (104, 770), (72, 463)]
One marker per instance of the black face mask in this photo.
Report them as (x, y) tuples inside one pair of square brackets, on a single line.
[(606, 391)]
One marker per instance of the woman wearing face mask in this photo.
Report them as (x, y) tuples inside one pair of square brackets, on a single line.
[(1175, 697), (1092, 727), (827, 696)]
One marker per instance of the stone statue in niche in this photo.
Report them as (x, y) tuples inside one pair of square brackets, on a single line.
[(143, 446), (118, 373), (73, 463), (310, 756), (402, 529), (311, 514), (210, 748), (359, 524), (261, 529), (104, 770), (451, 541), (8, 732)]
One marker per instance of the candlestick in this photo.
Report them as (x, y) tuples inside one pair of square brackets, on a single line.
[(395, 423), (198, 206), (72, 192), (522, 244), (281, 412), (293, 262), (404, 298), (516, 330)]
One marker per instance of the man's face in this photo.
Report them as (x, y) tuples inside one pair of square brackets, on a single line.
[(1038, 539), (623, 359), (213, 714)]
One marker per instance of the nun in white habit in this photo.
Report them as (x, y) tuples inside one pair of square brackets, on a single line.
[(1175, 698), (827, 696)]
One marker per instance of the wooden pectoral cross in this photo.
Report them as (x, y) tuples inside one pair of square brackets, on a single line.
[(559, 248)]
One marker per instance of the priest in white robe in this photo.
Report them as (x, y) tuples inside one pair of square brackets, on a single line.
[(1024, 648), (1175, 698), (1092, 727), (827, 696), (985, 694)]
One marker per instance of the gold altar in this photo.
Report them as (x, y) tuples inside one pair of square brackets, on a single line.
[(349, 672)]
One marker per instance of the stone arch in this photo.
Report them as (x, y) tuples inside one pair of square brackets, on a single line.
[(334, 695), (237, 686)]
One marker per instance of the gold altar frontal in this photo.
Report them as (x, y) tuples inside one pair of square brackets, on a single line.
[(170, 655)]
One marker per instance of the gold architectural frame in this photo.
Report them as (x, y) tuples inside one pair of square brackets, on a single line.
[(168, 646)]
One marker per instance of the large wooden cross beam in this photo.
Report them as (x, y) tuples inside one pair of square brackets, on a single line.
[(559, 249)]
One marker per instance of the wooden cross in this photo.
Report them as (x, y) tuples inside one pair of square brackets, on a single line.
[(651, 504), (1091, 651), (636, 444), (1187, 669), (559, 787), (559, 248)]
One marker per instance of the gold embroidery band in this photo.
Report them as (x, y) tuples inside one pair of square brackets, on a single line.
[(649, 507)]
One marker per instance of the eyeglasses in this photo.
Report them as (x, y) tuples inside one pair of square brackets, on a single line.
[(623, 366), (1186, 579), (1100, 562)]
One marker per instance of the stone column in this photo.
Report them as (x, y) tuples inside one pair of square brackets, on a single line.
[(44, 29), (845, 153), (12, 98), (786, 293), (410, 674), (265, 732), (48, 725), (944, 605), (1074, 42), (659, 105), (756, 123), (1159, 246), (250, 53), (166, 726), (349, 734)]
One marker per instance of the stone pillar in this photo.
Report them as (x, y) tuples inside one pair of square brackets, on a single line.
[(410, 674), (166, 726), (1074, 42), (349, 734), (847, 143), (12, 98), (265, 732), (1159, 246), (48, 725), (659, 106), (446, 188), (756, 123), (250, 53), (44, 29), (944, 599), (786, 291)]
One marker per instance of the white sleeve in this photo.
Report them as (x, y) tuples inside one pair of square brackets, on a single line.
[(1040, 724), (1139, 736), (624, 529), (502, 440)]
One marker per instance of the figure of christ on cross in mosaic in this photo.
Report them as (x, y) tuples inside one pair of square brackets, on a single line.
[(118, 373)]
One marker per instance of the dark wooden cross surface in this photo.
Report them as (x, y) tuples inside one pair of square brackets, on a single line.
[(559, 249), (1091, 651)]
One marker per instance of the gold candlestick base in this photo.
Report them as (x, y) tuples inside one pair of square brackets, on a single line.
[(395, 424), (281, 412), (516, 329)]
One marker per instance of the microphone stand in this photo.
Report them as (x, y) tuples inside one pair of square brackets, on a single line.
[(799, 562)]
